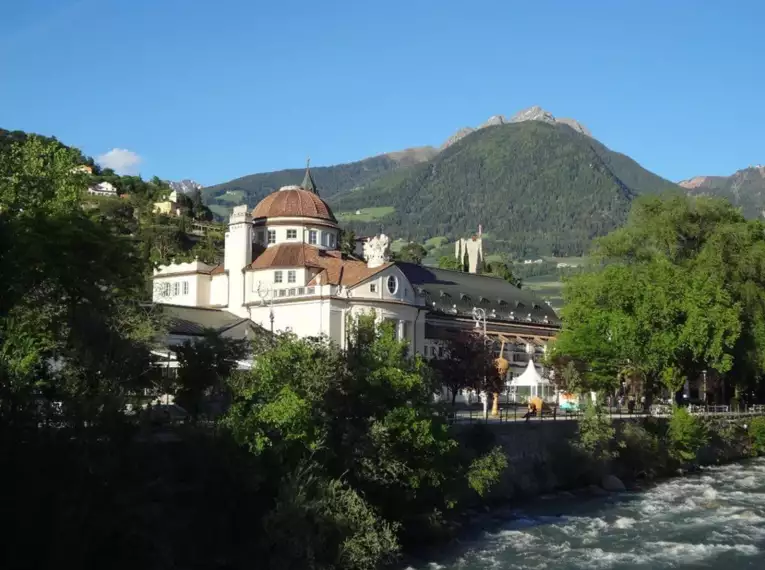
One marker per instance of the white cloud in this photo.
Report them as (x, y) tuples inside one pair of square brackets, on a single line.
[(121, 160)]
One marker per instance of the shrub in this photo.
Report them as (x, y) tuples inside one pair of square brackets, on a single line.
[(686, 435), (485, 471), (639, 450), (757, 434), (595, 433)]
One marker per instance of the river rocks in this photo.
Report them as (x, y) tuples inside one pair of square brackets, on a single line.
[(597, 491), (613, 484)]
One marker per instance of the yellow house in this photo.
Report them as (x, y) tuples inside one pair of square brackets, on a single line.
[(169, 206)]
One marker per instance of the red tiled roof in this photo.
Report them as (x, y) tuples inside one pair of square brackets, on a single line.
[(293, 202), (333, 268)]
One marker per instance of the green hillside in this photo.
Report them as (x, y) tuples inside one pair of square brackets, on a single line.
[(330, 179), (540, 189)]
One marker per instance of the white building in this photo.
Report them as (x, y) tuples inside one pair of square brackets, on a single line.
[(284, 271), (103, 189)]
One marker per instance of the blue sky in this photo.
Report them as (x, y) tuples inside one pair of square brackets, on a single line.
[(215, 90)]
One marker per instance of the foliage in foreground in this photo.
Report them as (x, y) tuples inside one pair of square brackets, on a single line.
[(363, 416)]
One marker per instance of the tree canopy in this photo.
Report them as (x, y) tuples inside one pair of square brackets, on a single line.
[(678, 290)]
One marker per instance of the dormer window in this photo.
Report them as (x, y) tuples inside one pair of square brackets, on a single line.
[(271, 236), (392, 284), (312, 237), (464, 297), (291, 234)]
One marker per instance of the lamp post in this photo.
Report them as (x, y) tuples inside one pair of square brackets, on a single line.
[(266, 292), (479, 316)]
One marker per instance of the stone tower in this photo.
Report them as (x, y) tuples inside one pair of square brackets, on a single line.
[(470, 251), (238, 254)]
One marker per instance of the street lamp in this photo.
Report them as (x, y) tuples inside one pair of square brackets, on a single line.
[(479, 316)]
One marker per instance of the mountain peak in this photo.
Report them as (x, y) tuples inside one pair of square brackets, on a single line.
[(534, 113)]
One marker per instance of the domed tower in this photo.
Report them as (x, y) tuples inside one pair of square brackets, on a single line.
[(295, 214)]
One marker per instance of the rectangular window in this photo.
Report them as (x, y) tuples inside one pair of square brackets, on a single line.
[(165, 289), (277, 276), (312, 237), (260, 237), (176, 288), (185, 287), (271, 236), (291, 234), (331, 240), (323, 238), (373, 287), (290, 277)]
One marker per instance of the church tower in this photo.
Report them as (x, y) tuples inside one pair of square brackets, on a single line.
[(470, 251), (237, 255)]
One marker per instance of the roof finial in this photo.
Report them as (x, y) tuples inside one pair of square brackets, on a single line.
[(308, 183)]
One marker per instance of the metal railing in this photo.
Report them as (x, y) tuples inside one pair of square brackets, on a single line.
[(511, 413)]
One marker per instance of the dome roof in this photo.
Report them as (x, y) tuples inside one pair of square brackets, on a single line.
[(293, 202)]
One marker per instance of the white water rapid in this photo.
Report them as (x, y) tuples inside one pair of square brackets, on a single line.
[(713, 520)]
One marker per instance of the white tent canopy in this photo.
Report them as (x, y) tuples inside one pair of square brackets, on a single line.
[(530, 377), (529, 383)]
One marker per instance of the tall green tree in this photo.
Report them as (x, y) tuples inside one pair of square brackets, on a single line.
[(668, 297), (412, 253), (364, 415), (71, 320), (204, 365)]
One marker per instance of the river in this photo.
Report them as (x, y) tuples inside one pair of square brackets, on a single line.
[(712, 520)]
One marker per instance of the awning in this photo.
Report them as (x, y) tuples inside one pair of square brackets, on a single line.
[(530, 377)]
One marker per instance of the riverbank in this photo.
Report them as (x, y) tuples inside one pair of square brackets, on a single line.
[(548, 484)]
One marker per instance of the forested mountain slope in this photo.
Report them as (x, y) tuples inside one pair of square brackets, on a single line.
[(537, 188), (745, 189), (330, 179)]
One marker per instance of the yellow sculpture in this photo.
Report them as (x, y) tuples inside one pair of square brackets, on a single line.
[(502, 366)]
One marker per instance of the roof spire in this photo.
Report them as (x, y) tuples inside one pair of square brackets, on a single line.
[(308, 183)]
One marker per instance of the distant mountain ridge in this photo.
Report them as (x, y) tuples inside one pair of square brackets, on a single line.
[(744, 188), (538, 184), (184, 186), (537, 187)]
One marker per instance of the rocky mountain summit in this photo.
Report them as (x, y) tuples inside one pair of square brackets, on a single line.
[(185, 186), (534, 113), (744, 188)]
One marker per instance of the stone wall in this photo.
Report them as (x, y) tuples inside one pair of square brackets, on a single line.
[(541, 458)]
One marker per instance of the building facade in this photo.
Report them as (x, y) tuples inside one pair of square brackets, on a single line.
[(284, 271)]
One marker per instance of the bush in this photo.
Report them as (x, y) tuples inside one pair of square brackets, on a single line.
[(595, 434), (686, 435), (757, 435), (639, 450), (485, 471)]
